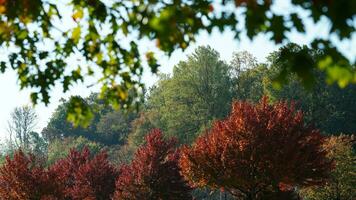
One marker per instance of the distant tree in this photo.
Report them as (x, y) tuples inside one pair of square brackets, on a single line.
[(121, 154), (147, 120), (58, 127), (107, 127), (328, 107), (39, 145), (153, 173), (341, 185), (114, 127), (247, 76), (60, 148), (20, 126), (24, 177), (242, 61), (199, 91), (258, 151)]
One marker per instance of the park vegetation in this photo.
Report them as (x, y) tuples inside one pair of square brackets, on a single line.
[(209, 130)]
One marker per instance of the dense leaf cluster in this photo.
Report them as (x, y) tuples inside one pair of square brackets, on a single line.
[(257, 151), (154, 172)]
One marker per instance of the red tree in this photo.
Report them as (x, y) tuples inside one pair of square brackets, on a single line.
[(81, 177), (154, 172), (258, 151), (23, 177)]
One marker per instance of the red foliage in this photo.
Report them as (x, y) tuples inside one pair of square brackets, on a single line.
[(23, 177), (154, 172), (257, 149), (80, 177)]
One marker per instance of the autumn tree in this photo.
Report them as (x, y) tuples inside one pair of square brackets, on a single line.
[(79, 176), (257, 152), (341, 184), (24, 177), (153, 173)]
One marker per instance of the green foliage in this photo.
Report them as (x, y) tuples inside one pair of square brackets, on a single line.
[(329, 107), (198, 92), (40, 49), (147, 120), (248, 76), (60, 148), (108, 127), (115, 126)]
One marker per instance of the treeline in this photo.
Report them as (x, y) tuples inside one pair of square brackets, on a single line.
[(185, 104)]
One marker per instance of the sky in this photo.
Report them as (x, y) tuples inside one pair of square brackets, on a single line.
[(224, 43)]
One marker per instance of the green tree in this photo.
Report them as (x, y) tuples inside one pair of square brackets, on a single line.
[(146, 121), (114, 127), (60, 148), (329, 107), (38, 47), (199, 91), (248, 76), (108, 126)]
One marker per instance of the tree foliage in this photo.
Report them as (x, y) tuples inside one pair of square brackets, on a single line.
[(198, 92), (41, 50), (84, 178), (108, 127), (78, 176), (341, 184), (258, 150), (60, 148), (329, 107), (23, 177), (153, 173)]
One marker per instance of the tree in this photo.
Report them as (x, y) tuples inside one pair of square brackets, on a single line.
[(79, 176), (60, 148), (328, 107), (199, 91), (108, 127), (24, 177), (147, 120), (258, 151), (28, 25), (341, 184), (114, 127), (20, 126), (248, 76), (58, 127), (153, 173)]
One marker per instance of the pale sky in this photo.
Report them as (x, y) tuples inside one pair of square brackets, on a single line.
[(224, 43)]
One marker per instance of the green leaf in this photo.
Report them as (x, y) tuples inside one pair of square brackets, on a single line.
[(76, 34)]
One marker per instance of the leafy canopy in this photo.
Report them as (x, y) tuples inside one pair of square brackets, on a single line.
[(154, 172), (257, 151), (104, 36)]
